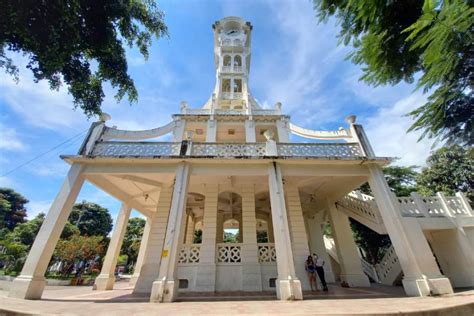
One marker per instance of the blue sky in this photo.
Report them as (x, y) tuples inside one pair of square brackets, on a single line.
[(295, 61)]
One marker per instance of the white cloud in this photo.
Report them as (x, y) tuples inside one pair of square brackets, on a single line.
[(9, 139), (6, 182), (36, 207), (387, 131)]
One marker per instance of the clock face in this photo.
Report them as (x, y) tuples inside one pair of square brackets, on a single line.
[(232, 32)]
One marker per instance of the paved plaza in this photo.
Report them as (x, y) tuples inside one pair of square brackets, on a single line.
[(338, 301)]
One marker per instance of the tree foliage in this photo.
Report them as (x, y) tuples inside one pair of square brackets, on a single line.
[(91, 219), (79, 43), (132, 239), (394, 40), (12, 208), (79, 248), (449, 170), (401, 180)]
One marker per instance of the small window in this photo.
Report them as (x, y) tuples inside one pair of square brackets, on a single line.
[(238, 85), (271, 282), (227, 60), (183, 283), (231, 132), (226, 85), (238, 61)]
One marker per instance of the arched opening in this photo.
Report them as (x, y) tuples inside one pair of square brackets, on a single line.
[(229, 218), (238, 61), (263, 215), (193, 220), (226, 85), (238, 85), (227, 61)]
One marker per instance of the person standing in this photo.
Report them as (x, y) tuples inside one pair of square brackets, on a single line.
[(311, 270), (319, 266)]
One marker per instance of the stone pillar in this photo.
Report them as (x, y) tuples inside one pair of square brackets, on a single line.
[(414, 282), (141, 253), (190, 227), (206, 272), (438, 283), (250, 136), (288, 286), (31, 282), (220, 228), (454, 249), (165, 287), (316, 245), (282, 130), (270, 234), (211, 132), (154, 243), (106, 278), (299, 238), (251, 273), (346, 248)]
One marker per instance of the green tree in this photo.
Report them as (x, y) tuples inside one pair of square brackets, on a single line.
[(13, 254), (132, 239), (395, 40), (25, 233), (197, 236), (449, 170), (91, 219), (78, 248), (12, 208), (79, 43), (401, 180)]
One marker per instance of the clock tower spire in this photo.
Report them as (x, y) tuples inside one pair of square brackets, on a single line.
[(232, 37)]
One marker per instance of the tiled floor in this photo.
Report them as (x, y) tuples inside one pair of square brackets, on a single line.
[(338, 301)]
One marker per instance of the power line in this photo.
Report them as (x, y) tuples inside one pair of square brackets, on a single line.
[(44, 153)]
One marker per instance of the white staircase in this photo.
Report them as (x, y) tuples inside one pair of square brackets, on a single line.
[(363, 209)]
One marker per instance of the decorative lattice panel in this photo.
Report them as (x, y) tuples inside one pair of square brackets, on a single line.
[(456, 206), (346, 150), (135, 149), (434, 206), (228, 150), (408, 207), (189, 254), (266, 253), (228, 253)]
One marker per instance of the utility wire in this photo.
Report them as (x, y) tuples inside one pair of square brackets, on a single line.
[(44, 153)]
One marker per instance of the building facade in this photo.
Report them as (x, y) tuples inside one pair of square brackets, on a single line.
[(230, 165)]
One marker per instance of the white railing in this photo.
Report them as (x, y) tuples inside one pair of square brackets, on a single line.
[(237, 95), (389, 267), (229, 111), (369, 270), (189, 254), (266, 252), (228, 149), (226, 68), (166, 149), (229, 253), (266, 112), (367, 209), (339, 150), (136, 149), (226, 95), (238, 68), (198, 111)]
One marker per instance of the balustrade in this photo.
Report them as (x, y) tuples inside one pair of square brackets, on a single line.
[(266, 252), (189, 254), (340, 150), (229, 253)]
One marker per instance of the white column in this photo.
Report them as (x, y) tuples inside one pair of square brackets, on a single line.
[(288, 286), (154, 243), (165, 287), (206, 273), (316, 245), (251, 273), (346, 248), (438, 283), (190, 227), (282, 130), (414, 282), (106, 278), (211, 132), (141, 253), (250, 136), (31, 282), (299, 238)]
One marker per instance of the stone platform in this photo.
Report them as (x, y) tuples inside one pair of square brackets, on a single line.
[(376, 300)]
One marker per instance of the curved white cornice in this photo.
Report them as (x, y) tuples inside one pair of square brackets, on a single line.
[(113, 133), (308, 133)]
